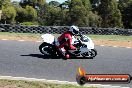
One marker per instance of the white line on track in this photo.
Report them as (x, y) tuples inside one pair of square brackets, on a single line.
[(114, 46), (38, 41), (21, 40), (128, 47), (59, 82), (4, 39)]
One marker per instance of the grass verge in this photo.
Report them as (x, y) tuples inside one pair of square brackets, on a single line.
[(94, 37), (34, 84), (20, 36), (111, 37)]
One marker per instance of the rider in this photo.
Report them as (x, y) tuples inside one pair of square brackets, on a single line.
[(66, 39)]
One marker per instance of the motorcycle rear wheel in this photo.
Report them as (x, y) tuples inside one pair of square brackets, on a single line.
[(46, 49)]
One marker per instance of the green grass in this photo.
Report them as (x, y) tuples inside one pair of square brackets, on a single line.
[(111, 37), (20, 35), (94, 37), (35, 84)]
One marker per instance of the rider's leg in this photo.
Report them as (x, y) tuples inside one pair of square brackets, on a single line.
[(64, 53)]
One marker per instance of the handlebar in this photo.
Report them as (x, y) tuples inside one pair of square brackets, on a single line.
[(79, 41), (80, 34)]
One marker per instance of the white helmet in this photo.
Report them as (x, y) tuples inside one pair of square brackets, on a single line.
[(74, 30)]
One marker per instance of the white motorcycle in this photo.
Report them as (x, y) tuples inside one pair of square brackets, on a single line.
[(84, 44)]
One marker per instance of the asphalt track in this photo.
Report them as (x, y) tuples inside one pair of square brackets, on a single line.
[(23, 59)]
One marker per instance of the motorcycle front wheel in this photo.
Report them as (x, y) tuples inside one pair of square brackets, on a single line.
[(91, 54)]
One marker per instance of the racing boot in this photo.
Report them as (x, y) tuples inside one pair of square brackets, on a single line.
[(67, 56)]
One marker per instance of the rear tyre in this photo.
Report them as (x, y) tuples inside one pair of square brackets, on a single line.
[(46, 49)]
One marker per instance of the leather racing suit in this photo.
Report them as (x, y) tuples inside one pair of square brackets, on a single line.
[(65, 39)]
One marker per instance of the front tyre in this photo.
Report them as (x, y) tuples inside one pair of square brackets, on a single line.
[(90, 54), (93, 52)]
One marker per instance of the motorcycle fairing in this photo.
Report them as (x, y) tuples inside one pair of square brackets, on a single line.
[(48, 38)]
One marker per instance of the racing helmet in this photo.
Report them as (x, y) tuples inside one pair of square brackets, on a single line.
[(74, 30)]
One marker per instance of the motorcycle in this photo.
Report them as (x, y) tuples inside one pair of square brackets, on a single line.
[(84, 44)]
